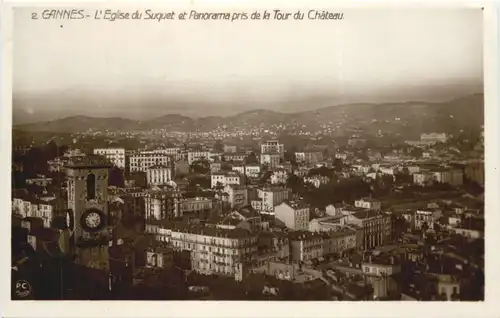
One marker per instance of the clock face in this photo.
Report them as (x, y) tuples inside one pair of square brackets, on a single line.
[(92, 220)]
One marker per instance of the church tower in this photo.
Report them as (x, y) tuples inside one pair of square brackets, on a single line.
[(87, 216)]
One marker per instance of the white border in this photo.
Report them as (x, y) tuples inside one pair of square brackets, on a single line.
[(489, 308)]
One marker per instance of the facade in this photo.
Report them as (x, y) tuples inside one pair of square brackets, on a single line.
[(213, 250), (114, 155), (225, 178), (317, 180), (294, 215), (308, 157), (428, 217), (434, 137), (271, 147), (193, 156), (196, 205), (270, 159), (143, 160), (237, 195), (230, 149), (339, 241), (368, 203), (251, 171), (327, 223), (305, 246), (34, 208), (158, 175), (423, 178), (272, 197), (279, 176), (162, 204), (376, 226)]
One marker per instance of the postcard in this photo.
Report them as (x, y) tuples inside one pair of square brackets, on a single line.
[(196, 158)]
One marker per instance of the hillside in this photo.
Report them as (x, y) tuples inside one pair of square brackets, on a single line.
[(463, 113)]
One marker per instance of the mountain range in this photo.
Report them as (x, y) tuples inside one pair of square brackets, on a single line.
[(461, 113)]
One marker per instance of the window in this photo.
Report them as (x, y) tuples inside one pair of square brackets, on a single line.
[(91, 186)]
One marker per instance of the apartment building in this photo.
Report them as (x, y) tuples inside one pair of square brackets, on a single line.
[(279, 176), (293, 214), (368, 203), (193, 156), (251, 171), (114, 155), (143, 160), (305, 246), (309, 157), (237, 196), (271, 197), (376, 225), (196, 205), (162, 204), (272, 147), (339, 241), (228, 252), (158, 175), (272, 160), (225, 178)]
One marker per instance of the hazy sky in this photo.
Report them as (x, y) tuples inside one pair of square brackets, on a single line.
[(97, 67)]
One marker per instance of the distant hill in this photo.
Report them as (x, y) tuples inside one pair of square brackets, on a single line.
[(463, 113)]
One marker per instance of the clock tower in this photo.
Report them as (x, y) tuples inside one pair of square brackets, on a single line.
[(87, 216)]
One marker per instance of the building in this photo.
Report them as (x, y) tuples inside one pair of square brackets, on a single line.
[(279, 176), (339, 241), (162, 204), (272, 160), (237, 196), (251, 171), (227, 252), (114, 155), (376, 226), (234, 157), (368, 203), (434, 137), (197, 205), (276, 242), (272, 197), (327, 223), (35, 208), (143, 160), (225, 178), (309, 157), (159, 257), (423, 178), (40, 180), (193, 156), (317, 180), (305, 246), (273, 147), (428, 217), (158, 175), (294, 215), (87, 214), (230, 149)]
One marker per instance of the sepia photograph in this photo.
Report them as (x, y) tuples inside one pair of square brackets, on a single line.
[(259, 154)]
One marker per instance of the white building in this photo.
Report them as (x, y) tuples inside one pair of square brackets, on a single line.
[(434, 137), (114, 155), (142, 160), (272, 197), (317, 180), (225, 178), (272, 147), (34, 208), (308, 157), (423, 178), (158, 175), (294, 215), (219, 251), (270, 159), (251, 171), (237, 195), (198, 155), (368, 203), (279, 176)]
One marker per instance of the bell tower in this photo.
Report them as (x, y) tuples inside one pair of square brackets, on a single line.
[(87, 216)]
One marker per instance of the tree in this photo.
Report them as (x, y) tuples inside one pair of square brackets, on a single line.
[(218, 146), (201, 166)]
